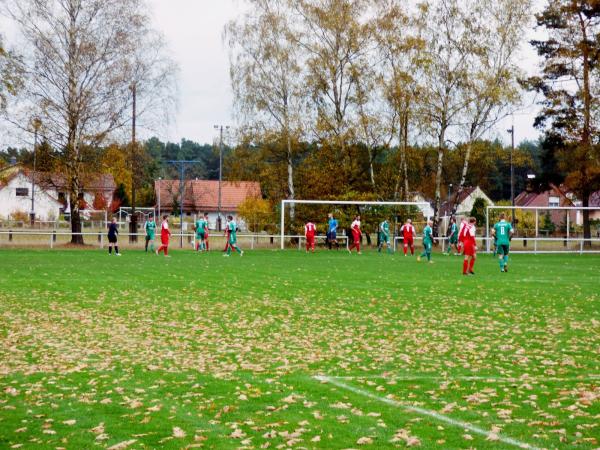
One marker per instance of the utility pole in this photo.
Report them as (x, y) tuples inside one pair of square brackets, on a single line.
[(133, 222), (512, 171), (220, 127), (36, 126), (182, 165)]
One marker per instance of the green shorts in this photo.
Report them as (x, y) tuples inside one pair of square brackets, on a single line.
[(384, 238), (453, 240), (503, 249), (149, 237), (427, 245), (200, 236)]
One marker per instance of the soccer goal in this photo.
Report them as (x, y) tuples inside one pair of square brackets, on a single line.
[(551, 229), (368, 206)]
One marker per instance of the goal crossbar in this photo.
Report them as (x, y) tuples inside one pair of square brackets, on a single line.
[(339, 202)]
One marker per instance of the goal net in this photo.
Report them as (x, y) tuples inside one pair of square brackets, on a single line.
[(372, 214), (552, 229)]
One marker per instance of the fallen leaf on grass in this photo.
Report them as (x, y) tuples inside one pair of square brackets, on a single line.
[(178, 432), (123, 445), (364, 441)]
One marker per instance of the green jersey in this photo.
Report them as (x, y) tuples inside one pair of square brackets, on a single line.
[(427, 235), (453, 231), (384, 228), (200, 227), (502, 232), (150, 227), (232, 227)]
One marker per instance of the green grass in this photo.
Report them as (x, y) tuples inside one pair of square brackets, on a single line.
[(204, 351)]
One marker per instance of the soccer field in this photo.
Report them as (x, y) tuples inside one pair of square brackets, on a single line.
[(287, 350)]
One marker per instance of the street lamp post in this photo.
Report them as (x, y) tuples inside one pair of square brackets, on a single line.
[(220, 128), (512, 169), (36, 127), (159, 183)]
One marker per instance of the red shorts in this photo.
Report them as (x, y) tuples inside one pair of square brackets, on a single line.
[(408, 241), (164, 239), (469, 249)]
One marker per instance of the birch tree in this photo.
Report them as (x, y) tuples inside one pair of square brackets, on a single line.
[(444, 75), (401, 49), (492, 88), (266, 75), (337, 37), (83, 57)]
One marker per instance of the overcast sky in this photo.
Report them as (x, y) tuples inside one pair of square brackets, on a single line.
[(193, 30)]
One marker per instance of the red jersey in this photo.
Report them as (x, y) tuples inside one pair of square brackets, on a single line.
[(468, 234), (356, 227), (461, 230), (310, 229), (164, 229), (408, 231)]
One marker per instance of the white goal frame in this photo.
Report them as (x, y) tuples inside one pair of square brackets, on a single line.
[(338, 202), (535, 240)]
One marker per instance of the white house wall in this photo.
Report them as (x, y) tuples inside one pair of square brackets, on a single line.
[(46, 208)]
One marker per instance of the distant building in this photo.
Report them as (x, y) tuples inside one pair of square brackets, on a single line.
[(51, 193), (426, 210), (464, 204), (202, 196), (555, 196)]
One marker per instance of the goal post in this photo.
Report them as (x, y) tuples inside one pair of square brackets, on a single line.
[(551, 229), (422, 206)]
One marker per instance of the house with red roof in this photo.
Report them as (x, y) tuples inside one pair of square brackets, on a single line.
[(202, 196)]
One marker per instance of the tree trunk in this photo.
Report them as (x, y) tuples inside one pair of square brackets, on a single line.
[(76, 237), (463, 177), (290, 169), (404, 156), (438, 182), (587, 231)]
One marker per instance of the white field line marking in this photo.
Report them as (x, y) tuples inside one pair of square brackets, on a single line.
[(425, 412), (490, 379)]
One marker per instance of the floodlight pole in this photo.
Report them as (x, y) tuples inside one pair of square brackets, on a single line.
[(182, 165), (220, 128), (133, 222), (512, 171)]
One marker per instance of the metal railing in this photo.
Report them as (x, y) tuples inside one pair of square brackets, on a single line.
[(518, 245)]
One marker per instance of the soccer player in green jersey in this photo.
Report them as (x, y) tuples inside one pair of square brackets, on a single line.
[(453, 237), (427, 241), (150, 228), (384, 236), (502, 233), (232, 228), (201, 226)]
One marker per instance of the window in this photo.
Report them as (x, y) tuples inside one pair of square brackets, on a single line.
[(553, 201), (22, 192)]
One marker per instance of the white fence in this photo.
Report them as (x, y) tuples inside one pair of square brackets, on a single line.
[(19, 238)]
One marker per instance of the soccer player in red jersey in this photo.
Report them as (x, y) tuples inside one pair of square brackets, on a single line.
[(356, 234), (408, 236), (165, 234), (469, 246), (463, 222), (310, 230)]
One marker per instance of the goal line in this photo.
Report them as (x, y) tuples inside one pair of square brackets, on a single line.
[(422, 206)]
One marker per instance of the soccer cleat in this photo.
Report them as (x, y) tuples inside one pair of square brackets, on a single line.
[(430, 262), (242, 253), (118, 254), (418, 259), (506, 268), (225, 254), (156, 252), (471, 273)]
